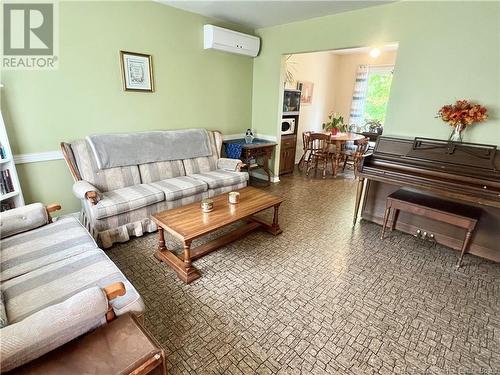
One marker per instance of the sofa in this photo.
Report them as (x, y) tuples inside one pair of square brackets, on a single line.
[(122, 179), (56, 284)]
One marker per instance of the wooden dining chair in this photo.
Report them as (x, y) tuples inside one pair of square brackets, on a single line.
[(306, 152), (318, 145), (355, 154)]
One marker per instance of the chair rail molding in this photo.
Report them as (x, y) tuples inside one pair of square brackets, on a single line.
[(36, 157)]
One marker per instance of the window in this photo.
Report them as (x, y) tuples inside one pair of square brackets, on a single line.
[(377, 93), (370, 97)]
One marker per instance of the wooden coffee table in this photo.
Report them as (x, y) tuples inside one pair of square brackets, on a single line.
[(189, 222)]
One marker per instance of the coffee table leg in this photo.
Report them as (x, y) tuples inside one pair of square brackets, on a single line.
[(187, 256), (162, 253), (275, 227), (161, 235), (183, 268), (189, 273)]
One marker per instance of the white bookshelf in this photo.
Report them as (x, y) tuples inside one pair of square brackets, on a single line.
[(15, 197)]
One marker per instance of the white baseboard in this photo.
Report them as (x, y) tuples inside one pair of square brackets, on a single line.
[(262, 176), (35, 157)]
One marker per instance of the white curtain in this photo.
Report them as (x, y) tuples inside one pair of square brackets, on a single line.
[(359, 97)]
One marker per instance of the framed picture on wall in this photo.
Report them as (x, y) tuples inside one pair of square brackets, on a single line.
[(306, 91), (137, 71)]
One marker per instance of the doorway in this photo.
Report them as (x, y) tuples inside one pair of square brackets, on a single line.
[(350, 84)]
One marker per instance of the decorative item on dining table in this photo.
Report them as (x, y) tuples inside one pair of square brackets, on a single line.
[(335, 123), (234, 197), (460, 116), (207, 205)]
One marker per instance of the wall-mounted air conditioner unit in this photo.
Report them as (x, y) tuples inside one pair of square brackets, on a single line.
[(230, 41)]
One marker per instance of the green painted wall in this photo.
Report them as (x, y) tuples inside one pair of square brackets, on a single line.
[(447, 51), (194, 87)]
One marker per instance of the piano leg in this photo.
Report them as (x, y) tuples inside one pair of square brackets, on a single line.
[(395, 214), (386, 219), (359, 194), (464, 247)]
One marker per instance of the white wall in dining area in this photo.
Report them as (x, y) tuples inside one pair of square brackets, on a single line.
[(319, 68), (347, 68)]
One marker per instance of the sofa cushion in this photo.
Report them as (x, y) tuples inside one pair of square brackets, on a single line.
[(31, 250), (180, 187), (126, 199), (161, 170), (204, 163), (103, 179), (219, 178), (225, 189), (54, 283)]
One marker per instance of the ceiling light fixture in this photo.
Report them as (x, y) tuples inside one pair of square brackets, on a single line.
[(375, 52)]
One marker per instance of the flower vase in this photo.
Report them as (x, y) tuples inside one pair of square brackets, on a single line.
[(334, 131), (456, 134)]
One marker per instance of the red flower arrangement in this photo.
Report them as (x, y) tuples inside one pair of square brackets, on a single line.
[(461, 115)]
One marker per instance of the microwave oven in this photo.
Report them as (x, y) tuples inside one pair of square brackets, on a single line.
[(288, 126)]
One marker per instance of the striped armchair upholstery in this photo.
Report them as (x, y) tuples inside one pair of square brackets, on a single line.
[(117, 202), (52, 288)]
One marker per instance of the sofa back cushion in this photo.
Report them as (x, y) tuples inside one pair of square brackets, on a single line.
[(205, 163), (103, 179), (161, 170)]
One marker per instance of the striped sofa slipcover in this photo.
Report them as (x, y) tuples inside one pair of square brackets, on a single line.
[(118, 202), (52, 280)]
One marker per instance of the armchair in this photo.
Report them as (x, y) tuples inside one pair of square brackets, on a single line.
[(35, 248)]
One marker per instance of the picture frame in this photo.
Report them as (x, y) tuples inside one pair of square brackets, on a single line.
[(137, 71), (306, 92)]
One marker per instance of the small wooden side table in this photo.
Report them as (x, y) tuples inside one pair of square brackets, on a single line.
[(120, 347), (459, 215), (259, 150)]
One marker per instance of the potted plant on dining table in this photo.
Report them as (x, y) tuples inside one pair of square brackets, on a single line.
[(335, 123)]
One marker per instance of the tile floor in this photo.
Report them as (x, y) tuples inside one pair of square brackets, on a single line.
[(322, 298)]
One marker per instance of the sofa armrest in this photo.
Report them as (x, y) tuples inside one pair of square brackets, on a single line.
[(52, 327), (112, 291), (85, 190), (234, 165), (23, 219)]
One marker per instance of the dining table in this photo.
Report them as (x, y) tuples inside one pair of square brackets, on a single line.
[(339, 140)]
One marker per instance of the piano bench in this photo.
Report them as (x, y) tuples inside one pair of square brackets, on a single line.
[(453, 213)]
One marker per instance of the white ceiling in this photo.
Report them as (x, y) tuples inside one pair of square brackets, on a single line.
[(261, 13)]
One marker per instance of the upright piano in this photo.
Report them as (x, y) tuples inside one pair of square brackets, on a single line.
[(462, 172)]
